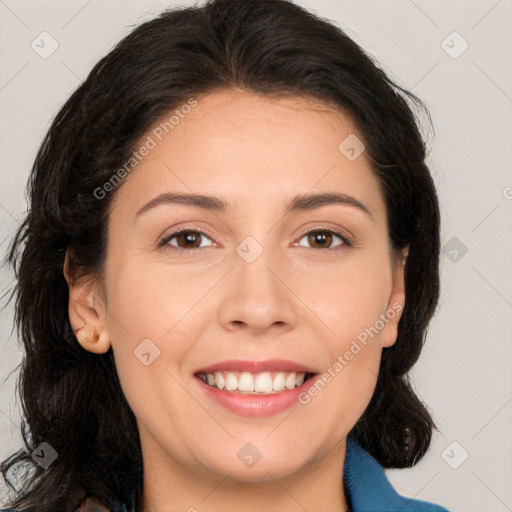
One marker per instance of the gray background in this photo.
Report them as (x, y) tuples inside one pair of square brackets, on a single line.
[(464, 373)]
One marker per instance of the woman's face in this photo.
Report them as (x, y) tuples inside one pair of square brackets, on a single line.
[(246, 282)]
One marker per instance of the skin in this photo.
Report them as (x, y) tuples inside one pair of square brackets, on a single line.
[(293, 302)]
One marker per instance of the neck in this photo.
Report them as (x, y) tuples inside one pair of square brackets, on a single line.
[(315, 487)]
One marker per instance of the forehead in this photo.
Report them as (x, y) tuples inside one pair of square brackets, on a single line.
[(249, 149)]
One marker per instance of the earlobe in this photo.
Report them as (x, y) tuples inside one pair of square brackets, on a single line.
[(393, 314), (396, 303), (86, 315), (90, 332), (91, 341)]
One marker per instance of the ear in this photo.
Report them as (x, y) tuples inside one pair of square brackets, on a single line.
[(396, 302), (87, 312)]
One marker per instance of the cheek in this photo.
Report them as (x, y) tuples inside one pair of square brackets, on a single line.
[(151, 324), (349, 300), (151, 327), (154, 302), (343, 391), (350, 304)]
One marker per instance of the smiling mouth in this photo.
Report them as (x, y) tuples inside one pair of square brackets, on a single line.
[(261, 383)]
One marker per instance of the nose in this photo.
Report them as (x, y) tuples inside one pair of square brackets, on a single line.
[(258, 296)]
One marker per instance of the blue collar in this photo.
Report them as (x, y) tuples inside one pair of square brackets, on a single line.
[(368, 488)]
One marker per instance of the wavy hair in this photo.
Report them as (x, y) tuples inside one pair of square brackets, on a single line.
[(71, 398)]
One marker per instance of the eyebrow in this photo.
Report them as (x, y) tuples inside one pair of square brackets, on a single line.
[(298, 203)]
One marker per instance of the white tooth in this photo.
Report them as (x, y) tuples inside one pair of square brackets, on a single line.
[(246, 382), (263, 382), (219, 380), (278, 382), (231, 381), (256, 383), (290, 380)]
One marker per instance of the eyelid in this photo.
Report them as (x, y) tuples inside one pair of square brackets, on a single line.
[(164, 240), (347, 239)]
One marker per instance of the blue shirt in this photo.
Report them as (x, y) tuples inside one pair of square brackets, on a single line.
[(367, 488)]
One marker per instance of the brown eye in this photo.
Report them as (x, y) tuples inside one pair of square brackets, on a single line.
[(320, 237), (323, 239), (185, 239)]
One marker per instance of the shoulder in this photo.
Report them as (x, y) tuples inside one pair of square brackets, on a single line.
[(368, 488)]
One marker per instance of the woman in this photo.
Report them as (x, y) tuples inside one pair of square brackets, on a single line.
[(228, 269)]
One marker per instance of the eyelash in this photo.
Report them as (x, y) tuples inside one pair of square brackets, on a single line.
[(346, 241)]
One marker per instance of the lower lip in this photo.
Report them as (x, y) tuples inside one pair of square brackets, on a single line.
[(255, 406)]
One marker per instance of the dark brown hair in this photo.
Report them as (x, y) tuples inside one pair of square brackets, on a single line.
[(71, 398)]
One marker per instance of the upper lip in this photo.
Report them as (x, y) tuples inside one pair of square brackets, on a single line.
[(268, 365)]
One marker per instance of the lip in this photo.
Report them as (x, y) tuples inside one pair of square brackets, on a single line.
[(251, 405), (268, 365)]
